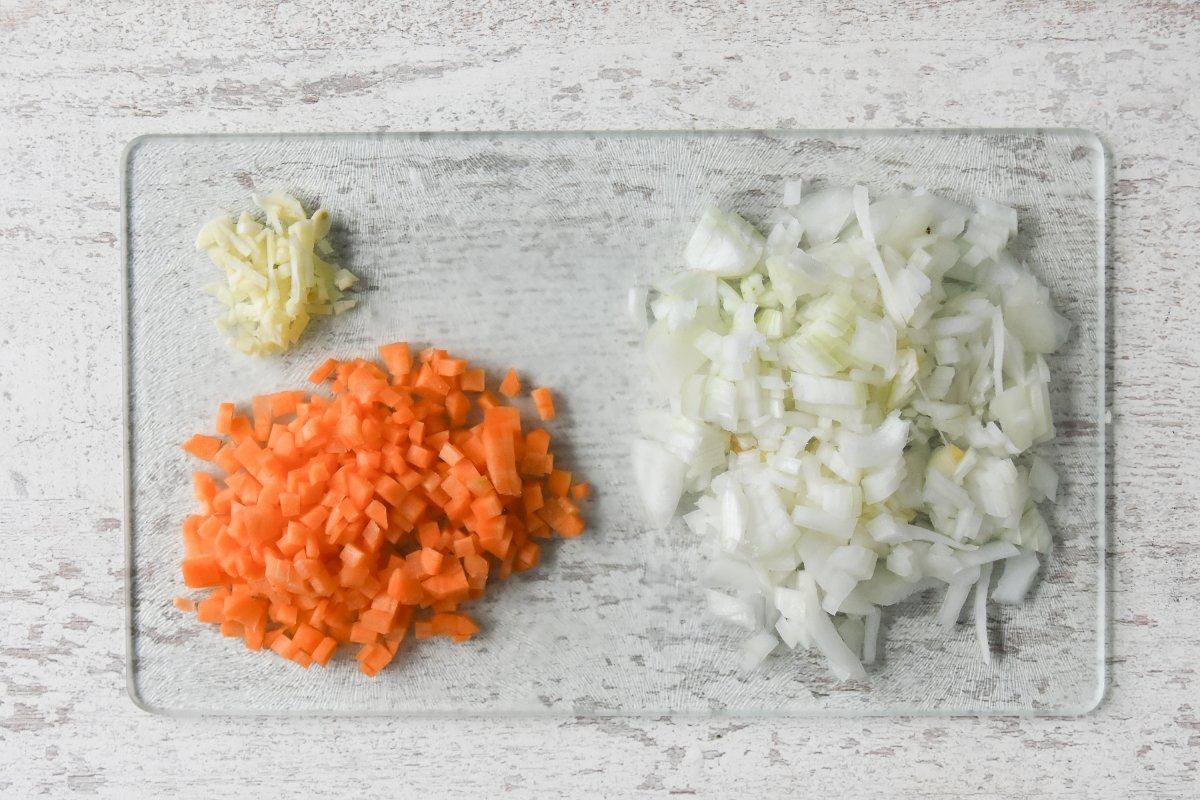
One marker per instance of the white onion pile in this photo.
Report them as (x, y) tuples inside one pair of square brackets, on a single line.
[(853, 398), (276, 280)]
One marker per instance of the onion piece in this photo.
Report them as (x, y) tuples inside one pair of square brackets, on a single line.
[(956, 597), (871, 635), (757, 648), (659, 476), (1017, 578), (981, 632), (724, 243)]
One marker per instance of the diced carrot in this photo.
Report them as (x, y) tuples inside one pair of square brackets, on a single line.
[(494, 537), (254, 638), (531, 496), (421, 457), (322, 372), (184, 604), (225, 413), (368, 460), (451, 366), (431, 383), (507, 418), (284, 403), (409, 590), (581, 491), (450, 454), (501, 460), (365, 383), (240, 429), (569, 526), (431, 561), (282, 645), (361, 634), (463, 546), (376, 511), (456, 625), (449, 584), (528, 556), (487, 507), (203, 447), (397, 358), (389, 490), (458, 507), (458, 406), (359, 490), (202, 571), (285, 445), (511, 385), (473, 380), (290, 504), (225, 458), (416, 432), (413, 507), (353, 557), (472, 447), (537, 441), (210, 610), (292, 549), (375, 660), (319, 613), (377, 619), (260, 407), (307, 638), (429, 534), (544, 402), (323, 652), (204, 487), (537, 464), (559, 482), (248, 454), (475, 565)]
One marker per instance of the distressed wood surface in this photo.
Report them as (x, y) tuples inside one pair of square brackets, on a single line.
[(78, 81)]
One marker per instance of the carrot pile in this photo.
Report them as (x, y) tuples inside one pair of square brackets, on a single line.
[(357, 518)]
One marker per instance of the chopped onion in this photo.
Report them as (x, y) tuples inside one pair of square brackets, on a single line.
[(1043, 482), (735, 610), (659, 476), (724, 243), (870, 635), (1014, 583), (854, 398), (981, 590), (757, 648), (956, 596)]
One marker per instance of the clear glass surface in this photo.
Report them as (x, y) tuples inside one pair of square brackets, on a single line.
[(520, 249)]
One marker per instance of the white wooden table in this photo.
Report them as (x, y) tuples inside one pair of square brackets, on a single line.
[(79, 80)]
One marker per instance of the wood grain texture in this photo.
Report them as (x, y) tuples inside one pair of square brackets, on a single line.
[(76, 83)]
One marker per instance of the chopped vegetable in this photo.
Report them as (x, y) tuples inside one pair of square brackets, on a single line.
[(511, 385), (205, 447), (354, 518), (276, 275), (544, 402), (854, 398)]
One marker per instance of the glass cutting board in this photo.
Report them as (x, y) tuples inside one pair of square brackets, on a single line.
[(515, 249)]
